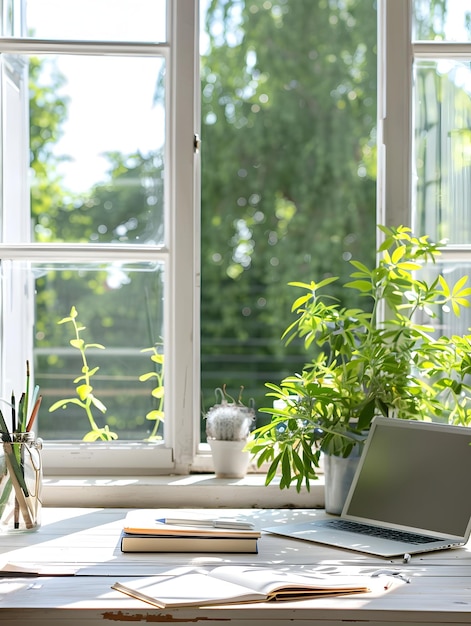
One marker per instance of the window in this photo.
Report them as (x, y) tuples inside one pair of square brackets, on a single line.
[(98, 178), (312, 147), (288, 163), (441, 133), (315, 124), (424, 173)]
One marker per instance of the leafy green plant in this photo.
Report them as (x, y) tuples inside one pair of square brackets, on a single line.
[(383, 359), (157, 414), (84, 389)]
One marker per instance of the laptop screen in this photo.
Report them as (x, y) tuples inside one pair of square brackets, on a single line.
[(414, 474)]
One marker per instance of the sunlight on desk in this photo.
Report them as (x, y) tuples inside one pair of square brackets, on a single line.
[(86, 541)]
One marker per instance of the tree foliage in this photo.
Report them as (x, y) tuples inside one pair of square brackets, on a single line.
[(126, 207), (288, 170), (288, 187)]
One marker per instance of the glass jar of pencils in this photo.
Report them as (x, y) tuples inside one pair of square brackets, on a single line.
[(20, 482)]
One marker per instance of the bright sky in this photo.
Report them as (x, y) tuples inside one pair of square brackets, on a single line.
[(111, 99), (111, 104)]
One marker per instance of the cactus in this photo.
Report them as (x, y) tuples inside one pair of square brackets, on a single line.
[(229, 420)]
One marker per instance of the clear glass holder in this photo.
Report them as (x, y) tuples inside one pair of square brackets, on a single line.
[(20, 483)]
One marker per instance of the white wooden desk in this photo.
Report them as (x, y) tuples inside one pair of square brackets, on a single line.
[(87, 539)]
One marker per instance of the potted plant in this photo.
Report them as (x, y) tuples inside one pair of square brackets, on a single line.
[(386, 358), (228, 426)]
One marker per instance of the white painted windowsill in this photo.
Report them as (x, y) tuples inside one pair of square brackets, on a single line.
[(191, 491)]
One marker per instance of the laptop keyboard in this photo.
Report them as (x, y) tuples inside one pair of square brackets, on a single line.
[(387, 533)]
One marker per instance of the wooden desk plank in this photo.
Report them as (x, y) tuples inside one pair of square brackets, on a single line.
[(49, 600), (440, 591)]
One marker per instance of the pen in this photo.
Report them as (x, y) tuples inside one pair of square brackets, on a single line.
[(212, 523)]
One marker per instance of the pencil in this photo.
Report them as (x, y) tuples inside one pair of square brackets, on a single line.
[(21, 413), (13, 412), (34, 412), (24, 415), (20, 495)]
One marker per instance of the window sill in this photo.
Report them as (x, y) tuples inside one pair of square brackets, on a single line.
[(191, 491)]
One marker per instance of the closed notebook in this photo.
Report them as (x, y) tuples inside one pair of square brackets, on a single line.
[(133, 542), (232, 584)]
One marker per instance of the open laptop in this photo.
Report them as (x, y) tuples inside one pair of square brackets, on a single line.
[(408, 494)]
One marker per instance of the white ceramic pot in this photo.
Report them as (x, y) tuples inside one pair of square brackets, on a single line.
[(229, 458)]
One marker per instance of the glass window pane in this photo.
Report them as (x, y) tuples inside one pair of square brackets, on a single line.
[(441, 20), (10, 25), (110, 20), (447, 323), (288, 188), (97, 146), (102, 294), (442, 133)]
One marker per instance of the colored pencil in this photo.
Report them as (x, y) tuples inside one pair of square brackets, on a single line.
[(13, 412), (34, 413)]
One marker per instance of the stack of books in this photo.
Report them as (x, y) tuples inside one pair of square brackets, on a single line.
[(144, 531)]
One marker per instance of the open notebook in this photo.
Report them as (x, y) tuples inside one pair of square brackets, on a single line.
[(229, 584), (408, 494)]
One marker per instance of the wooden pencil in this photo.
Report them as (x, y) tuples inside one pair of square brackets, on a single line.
[(34, 413)]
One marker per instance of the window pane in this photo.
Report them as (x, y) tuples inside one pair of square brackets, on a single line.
[(442, 20), (288, 175), (97, 147), (125, 20), (443, 149), (102, 294), (10, 23), (447, 323)]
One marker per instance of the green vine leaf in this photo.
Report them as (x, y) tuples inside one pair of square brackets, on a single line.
[(85, 397)]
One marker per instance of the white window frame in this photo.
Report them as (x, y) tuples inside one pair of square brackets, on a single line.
[(180, 253), (395, 58), (394, 112), (397, 52)]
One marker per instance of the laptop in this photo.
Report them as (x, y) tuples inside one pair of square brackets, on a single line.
[(408, 494)]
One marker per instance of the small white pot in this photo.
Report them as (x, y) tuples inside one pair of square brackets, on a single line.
[(229, 458)]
